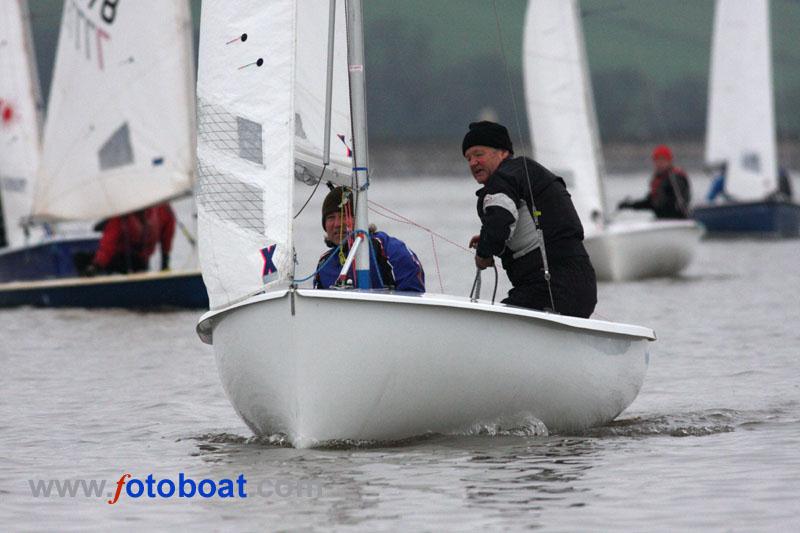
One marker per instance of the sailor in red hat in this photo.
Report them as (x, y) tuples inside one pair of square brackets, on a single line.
[(670, 192)]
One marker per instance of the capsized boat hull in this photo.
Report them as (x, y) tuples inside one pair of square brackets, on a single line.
[(322, 365), (759, 219), (146, 290), (630, 250)]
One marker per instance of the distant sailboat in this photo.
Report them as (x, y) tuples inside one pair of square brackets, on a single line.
[(563, 125), (26, 252), (119, 137), (322, 365), (740, 132)]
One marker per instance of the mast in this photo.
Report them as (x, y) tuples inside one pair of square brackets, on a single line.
[(358, 106)]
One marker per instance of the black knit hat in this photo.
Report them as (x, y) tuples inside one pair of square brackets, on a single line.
[(336, 198), (487, 133)]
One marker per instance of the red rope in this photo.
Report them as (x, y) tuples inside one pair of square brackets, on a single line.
[(436, 259), (401, 218)]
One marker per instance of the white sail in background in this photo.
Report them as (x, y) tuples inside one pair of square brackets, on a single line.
[(20, 117), (741, 112), (119, 133), (310, 94), (560, 104), (245, 146)]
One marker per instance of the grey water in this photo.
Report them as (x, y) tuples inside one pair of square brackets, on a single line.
[(712, 442)]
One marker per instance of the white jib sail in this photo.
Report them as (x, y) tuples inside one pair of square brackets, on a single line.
[(245, 145), (119, 133), (20, 117), (560, 104), (310, 94), (741, 114)]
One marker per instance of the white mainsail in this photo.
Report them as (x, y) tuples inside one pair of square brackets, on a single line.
[(20, 118), (741, 113), (560, 104), (261, 105), (310, 95), (119, 134)]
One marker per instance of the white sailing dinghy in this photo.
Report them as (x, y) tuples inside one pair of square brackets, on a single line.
[(740, 133), (322, 365), (20, 152), (563, 125), (119, 137)]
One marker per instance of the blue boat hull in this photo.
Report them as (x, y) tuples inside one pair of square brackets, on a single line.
[(767, 219), (47, 260), (149, 290)]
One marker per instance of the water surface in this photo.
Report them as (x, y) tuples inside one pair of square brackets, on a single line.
[(711, 441)]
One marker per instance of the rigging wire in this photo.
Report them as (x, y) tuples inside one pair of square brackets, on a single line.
[(319, 180), (401, 218), (436, 260), (397, 217), (374, 257), (319, 268), (534, 214)]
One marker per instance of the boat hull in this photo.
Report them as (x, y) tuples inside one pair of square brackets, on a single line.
[(47, 260), (290, 363), (762, 219), (148, 290), (631, 250)]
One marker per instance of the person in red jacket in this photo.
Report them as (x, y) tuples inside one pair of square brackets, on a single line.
[(129, 240), (161, 220), (670, 191)]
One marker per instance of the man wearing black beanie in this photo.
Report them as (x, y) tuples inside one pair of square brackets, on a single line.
[(520, 204)]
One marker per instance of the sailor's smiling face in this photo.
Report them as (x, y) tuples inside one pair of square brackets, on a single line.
[(483, 161)]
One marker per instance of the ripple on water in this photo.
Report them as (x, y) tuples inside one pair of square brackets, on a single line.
[(691, 424), (520, 425)]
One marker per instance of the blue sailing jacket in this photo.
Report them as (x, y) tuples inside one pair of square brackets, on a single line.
[(397, 266)]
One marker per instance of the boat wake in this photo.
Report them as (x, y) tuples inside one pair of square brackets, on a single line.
[(692, 424), (215, 442), (212, 442), (519, 425)]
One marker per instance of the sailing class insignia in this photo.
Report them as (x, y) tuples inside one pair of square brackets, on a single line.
[(269, 270)]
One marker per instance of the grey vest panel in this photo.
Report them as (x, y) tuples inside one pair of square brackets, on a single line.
[(523, 238)]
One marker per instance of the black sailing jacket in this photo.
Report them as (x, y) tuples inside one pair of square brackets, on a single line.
[(504, 209)]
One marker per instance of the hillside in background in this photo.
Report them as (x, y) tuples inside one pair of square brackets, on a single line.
[(435, 65)]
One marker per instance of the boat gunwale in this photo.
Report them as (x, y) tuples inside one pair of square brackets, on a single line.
[(206, 322), (745, 203)]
